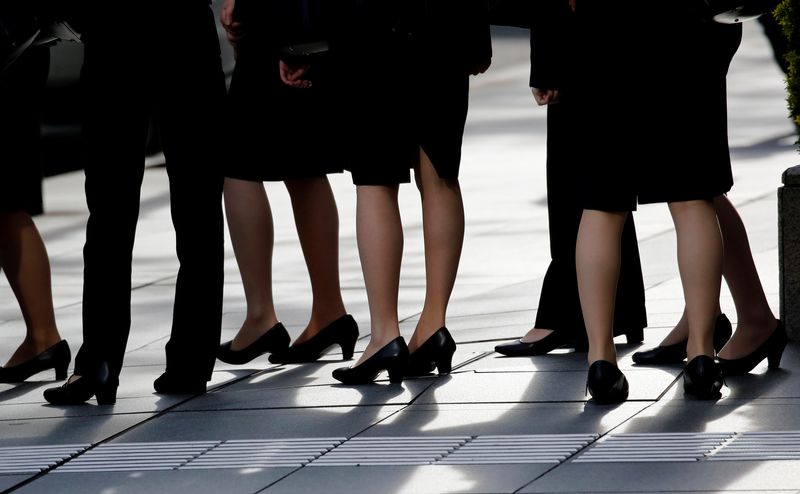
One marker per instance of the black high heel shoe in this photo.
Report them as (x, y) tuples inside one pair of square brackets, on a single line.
[(702, 378), (436, 353), (56, 357), (342, 332), (392, 358), (276, 339), (675, 353), (606, 383), (80, 390), (772, 350), (520, 348)]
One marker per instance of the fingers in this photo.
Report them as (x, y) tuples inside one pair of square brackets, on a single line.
[(226, 15), (545, 96), (291, 76)]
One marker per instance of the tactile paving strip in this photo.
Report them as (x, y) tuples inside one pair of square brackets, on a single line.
[(267, 453), (760, 446), (126, 457), (664, 447), (33, 459), (541, 448), (366, 451)]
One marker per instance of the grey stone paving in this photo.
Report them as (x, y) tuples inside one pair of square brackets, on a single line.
[(487, 398)]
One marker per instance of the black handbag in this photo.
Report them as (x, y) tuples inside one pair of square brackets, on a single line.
[(34, 23), (736, 11)]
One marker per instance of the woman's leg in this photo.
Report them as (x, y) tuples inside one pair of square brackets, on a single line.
[(739, 271), (317, 221), (700, 265), (379, 232), (597, 258), (23, 257), (755, 318), (251, 229), (443, 229)]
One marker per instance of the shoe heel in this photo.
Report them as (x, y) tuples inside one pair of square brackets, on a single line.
[(61, 372), (396, 375), (634, 337), (445, 365), (348, 348), (106, 395), (774, 356)]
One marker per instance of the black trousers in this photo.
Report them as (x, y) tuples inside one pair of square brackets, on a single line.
[(559, 304), (144, 60)]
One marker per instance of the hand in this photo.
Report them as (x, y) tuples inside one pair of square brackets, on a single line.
[(545, 96), (480, 67), (572, 4), (232, 29), (292, 75)]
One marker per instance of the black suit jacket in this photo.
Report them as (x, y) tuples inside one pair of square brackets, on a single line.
[(453, 32)]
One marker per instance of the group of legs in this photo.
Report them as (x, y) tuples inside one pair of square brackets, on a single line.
[(691, 175)]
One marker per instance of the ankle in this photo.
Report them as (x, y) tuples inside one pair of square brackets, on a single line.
[(259, 323)]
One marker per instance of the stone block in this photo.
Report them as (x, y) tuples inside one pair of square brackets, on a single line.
[(789, 250)]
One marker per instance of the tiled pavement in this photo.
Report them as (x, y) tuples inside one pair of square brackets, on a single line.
[(496, 424)]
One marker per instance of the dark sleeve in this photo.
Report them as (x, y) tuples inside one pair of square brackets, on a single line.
[(552, 37), (478, 39)]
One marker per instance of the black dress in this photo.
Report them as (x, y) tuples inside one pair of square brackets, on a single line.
[(20, 128), (652, 93), (278, 132), (402, 75)]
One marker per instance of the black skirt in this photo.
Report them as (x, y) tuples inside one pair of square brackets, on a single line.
[(653, 94), (277, 132), (20, 130), (401, 74)]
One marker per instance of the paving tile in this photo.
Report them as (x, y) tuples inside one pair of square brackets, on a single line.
[(9, 481), (66, 430), (564, 359), (313, 396), (537, 387), (670, 477), (433, 479), (201, 482), (259, 424), (726, 415), (504, 419)]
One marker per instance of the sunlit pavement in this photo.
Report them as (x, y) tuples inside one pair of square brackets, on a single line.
[(496, 424)]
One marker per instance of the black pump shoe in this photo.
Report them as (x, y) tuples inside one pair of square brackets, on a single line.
[(772, 350), (80, 390), (392, 358), (606, 383), (675, 353), (702, 378), (520, 348), (342, 332), (276, 339), (56, 357), (436, 353)]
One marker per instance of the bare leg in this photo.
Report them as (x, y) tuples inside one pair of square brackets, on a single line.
[(754, 315), (443, 228), (379, 231), (700, 265), (23, 257), (597, 258), (755, 318), (251, 229), (317, 221)]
